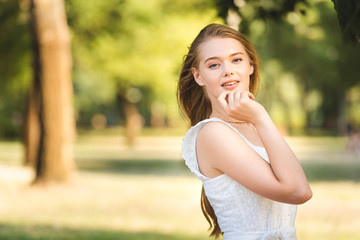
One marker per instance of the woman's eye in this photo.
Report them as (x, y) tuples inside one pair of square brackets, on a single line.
[(214, 65), (237, 60)]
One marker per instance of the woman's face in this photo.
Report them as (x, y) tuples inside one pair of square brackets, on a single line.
[(223, 66)]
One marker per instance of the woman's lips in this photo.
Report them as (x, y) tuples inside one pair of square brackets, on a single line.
[(230, 85)]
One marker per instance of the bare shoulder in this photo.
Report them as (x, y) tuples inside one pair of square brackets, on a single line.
[(216, 132), (215, 127), (214, 142), (220, 149)]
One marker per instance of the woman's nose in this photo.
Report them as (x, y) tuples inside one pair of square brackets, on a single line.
[(228, 71), (228, 74)]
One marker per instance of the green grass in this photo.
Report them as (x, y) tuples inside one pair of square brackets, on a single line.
[(146, 192), (56, 233)]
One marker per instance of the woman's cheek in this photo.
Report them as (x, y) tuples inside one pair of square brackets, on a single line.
[(213, 93)]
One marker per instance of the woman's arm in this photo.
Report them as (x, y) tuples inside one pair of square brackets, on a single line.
[(221, 149), (284, 163)]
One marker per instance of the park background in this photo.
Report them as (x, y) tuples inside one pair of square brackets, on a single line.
[(90, 131)]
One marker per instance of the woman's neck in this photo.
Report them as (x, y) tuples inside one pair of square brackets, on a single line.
[(225, 118)]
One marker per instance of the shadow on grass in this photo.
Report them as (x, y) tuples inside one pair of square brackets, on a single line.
[(136, 167), (315, 171), (18, 232), (339, 171)]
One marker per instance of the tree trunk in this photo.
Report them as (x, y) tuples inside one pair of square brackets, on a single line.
[(133, 123), (32, 126), (54, 161), (334, 110), (32, 122), (133, 119)]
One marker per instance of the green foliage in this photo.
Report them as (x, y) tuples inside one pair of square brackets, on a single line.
[(307, 68), (116, 45), (14, 66), (253, 10), (121, 45), (310, 76)]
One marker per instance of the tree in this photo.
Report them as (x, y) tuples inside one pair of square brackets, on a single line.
[(253, 10), (51, 125), (348, 12)]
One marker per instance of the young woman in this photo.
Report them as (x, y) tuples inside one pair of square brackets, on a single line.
[(252, 181)]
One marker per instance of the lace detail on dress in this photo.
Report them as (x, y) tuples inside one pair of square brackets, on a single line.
[(189, 149)]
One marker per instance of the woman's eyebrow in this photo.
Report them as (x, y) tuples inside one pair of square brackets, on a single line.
[(215, 57)]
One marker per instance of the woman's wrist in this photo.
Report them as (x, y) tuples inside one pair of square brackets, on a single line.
[(262, 119)]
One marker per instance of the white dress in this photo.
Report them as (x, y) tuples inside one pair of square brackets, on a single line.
[(241, 213)]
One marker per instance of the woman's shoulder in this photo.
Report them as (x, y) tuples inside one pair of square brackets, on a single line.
[(212, 128), (215, 126), (217, 130), (213, 123)]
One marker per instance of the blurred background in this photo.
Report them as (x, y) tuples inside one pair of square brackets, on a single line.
[(90, 131)]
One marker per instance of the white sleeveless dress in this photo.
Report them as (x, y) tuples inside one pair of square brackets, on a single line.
[(241, 213)]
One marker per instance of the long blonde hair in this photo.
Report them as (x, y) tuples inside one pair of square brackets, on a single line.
[(192, 98)]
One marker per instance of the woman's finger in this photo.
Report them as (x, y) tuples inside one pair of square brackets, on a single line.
[(247, 94), (232, 99), (237, 96), (251, 96), (244, 95), (223, 99)]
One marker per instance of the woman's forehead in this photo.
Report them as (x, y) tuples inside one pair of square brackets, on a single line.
[(220, 47)]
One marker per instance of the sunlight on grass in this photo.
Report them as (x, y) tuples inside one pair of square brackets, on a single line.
[(146, 192), (11, 153), (108, 202), (332, 213), (163, 205)]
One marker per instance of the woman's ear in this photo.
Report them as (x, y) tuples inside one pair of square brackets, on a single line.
[(251, 69), (197, 76)]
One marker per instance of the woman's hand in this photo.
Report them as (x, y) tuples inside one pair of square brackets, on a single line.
[(242, 106)]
